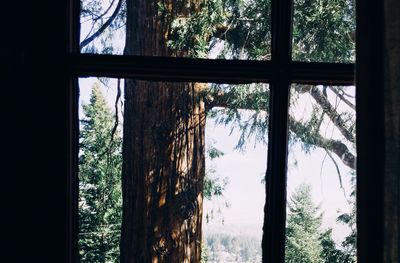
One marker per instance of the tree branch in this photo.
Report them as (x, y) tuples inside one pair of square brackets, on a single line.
[(328, 109), (334, 90), (339, 176), (103, 27), (335, 146), (222, 99), (105, 12), (332, 113)]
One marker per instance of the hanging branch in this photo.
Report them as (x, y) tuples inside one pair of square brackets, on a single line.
[(222, 99), (339, 175), (116, 110), (116, 123), (351, 105), (105, 12), (109, 148), (103, 27), (332, 113), (335, 146)]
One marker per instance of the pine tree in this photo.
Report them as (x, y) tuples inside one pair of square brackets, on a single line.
[(303, 227), (99, 183), (330, 253), (306, 242)]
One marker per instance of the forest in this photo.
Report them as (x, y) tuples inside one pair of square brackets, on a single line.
[(142, 176)]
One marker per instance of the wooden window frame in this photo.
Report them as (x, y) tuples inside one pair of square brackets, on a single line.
[(279, 72)]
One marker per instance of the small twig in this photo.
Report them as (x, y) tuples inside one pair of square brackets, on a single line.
[(339, 175), (104, 83), (107, 150), (105, 12), (90, 31), (322, 166), (116, 110), (351, 105), (245, 42), (348, 95)]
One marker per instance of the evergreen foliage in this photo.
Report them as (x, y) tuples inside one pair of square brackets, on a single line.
[(322, 30), (306, 242), (349, 244), (303, 226), (214, 185), (99, 183)]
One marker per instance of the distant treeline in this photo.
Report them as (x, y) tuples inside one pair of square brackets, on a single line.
[(223, 247)]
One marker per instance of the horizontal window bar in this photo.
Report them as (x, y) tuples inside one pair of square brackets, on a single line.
[(167, 68), (322, 73), (222, 71)]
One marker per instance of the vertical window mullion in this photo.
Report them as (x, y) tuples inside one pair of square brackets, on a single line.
[(73, 18), (273, 244), (73, 169), (74, 26)]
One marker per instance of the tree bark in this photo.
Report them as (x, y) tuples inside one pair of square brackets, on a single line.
[(163, 151)]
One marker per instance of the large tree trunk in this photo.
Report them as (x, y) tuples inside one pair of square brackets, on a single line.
[(163, 152)]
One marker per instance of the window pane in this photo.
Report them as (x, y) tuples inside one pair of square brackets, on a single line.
[(324, 31), (195, 159), (233, 217), (321, 201), (229, 29), (100, 164)]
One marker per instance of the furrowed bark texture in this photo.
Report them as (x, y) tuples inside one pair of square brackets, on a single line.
[(163, 151)]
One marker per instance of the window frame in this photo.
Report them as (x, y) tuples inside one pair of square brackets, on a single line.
[(280, 72)]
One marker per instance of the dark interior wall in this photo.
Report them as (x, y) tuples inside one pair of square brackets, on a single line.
[(370, 130), (34, 131), (392, 131), (378, 126)]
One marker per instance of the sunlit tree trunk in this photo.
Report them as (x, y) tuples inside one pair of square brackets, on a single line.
[(163, 150)]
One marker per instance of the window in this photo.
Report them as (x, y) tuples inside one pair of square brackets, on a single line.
[(270, 62)]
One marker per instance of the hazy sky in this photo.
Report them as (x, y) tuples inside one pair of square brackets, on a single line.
[(245, 192)]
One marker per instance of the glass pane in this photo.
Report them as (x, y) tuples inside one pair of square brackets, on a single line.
[(100, 164), (324, 31), (194, 159), (233, 217), (321, 187), (229, 29)]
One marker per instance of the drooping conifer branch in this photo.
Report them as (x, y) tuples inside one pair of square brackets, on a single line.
[(300, 130)]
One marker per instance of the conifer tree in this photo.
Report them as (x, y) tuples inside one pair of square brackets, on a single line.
[(303, 227), (99, 183), (306, 242)]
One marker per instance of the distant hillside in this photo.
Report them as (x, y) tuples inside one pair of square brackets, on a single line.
[(233, 243), (254, 230)]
